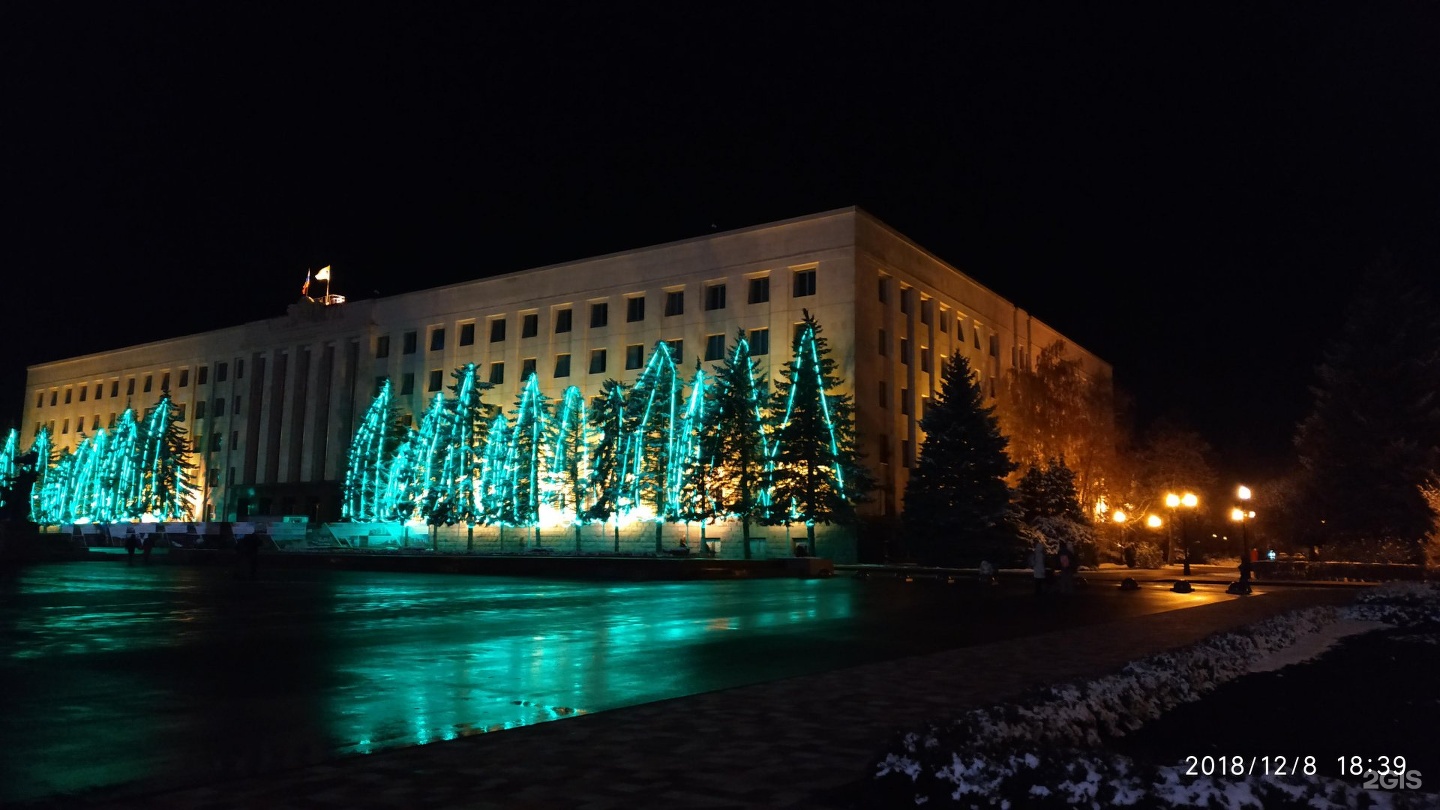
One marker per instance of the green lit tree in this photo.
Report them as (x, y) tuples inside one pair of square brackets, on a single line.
[(43, 493), (817, 476), (169, 486), (530, 434), (570, 459), (738, 397), (701, 468), (1048, 502), (463, 447), (957, 504), (652, 419), (371, 453), (606, 464)]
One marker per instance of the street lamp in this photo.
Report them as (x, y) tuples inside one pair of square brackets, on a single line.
[(1189, 501), (1240, 514)]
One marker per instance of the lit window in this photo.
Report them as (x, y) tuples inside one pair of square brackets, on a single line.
[(715, 297), (530, 325), (760, 290), (674, 303), (562, 365), (804, 283), (634, 356)]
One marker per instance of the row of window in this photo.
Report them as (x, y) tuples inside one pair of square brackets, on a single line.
[(715, 296), (202, 377), (759, 340), (927, 314), (925, 365)]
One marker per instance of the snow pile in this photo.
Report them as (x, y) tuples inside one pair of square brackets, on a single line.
[(1047, 749)]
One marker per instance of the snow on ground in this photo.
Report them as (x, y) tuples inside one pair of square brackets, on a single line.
[(1310, 645)]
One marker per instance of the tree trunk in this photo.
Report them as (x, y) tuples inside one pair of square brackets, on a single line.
[(435, 538), (617, 534), (745, 537), (537, 535), (659, 527), (502, 538), (810, 536), (577, 538), (470, 538)]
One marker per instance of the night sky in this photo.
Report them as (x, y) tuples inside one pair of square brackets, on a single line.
[(1189, 193)]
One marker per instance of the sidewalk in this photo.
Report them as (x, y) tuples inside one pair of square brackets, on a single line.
[(794, 743)]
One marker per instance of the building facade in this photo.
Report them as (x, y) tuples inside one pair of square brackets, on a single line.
[(271, 405)]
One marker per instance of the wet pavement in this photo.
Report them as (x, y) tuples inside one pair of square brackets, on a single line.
[(128, 681)]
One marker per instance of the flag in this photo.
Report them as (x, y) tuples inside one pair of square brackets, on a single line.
[(305, 288), (324, 274)]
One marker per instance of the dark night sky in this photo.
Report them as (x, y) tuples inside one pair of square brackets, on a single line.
[(1186, 192)]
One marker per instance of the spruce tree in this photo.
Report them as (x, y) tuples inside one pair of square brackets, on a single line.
[(529, 436), (464, 446), (652, 416), (1373, 437), (371, 451), (957, 504), (738, 436), (570, 459), (42, 490), (700, 464), (169, 486), (607, 418), (1048, 501), (816, 475)]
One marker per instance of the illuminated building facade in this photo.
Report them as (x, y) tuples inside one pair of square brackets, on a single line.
[(272, 405)]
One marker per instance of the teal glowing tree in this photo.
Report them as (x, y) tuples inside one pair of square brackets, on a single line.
[(737, 436), (607, 464), (699, 468), (9, 466), (570, 459), (367, 474), (529, 440), (165, 459), (649, 460), (458, 479), (816, 475), (124, 479), (431, 451), (43, 495)]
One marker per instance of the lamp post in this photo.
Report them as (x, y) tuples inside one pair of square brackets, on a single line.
[(1172, 501), (1189, 501), (1241, 514)]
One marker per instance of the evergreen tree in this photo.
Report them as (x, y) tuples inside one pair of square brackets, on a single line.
[(816, 476), (372, 450), (169, 488), (957, 504), (429, 455), (9, 469), (738, 436), (530, 434), (570, 459), (700, 465), (42, 490), (125, 473), (606, 471), (1049, 504), (463, 448), (652, 417), (1373, 437)]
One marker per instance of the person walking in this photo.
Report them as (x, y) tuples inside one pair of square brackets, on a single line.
[(1037, 560), (1067, 568), (130, 545)]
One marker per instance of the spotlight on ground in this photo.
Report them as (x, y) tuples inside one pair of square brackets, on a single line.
[(1182, 587), (1129, 584)]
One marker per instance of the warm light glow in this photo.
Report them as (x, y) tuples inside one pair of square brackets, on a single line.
[(1172, 500), (1237, 514), (1153, 521), (1119, 516), (1189, 500), (1244, 493)]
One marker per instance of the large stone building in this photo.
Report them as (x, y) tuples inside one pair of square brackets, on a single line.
[(272, 404)]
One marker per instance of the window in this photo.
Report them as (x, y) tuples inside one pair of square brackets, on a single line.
[(407, 383), (675, 303), (239, 368), (184, 381), (39, 399), (677, 350), (149, 384), (114, 389), (234, 439), (527, 368), (959, 328), (437, 339), (975, 332), (164, 385), (65, 426), (437, 378), (715, 297), (927, 310), (905, 295), (634, 356), (202, 376), (222, 372), (884, 449), (562, 365), (129, 388), (497, 330), (467, 334), (635, 309), (497, 373), (100, 387), (884, 394), (760, 290), (925, 358), (196, 442), (804, 283), (83, 391), (219, 407), (994, 345), (597, 361), (905, 401), (924, 406), (599, 315), (55, 394), (212, 477), (884, 291), (200, 405), (529, 325), (215, 441), (95, 425), (408, 342), (905, 453), (235, 405), (759, 342), (884, 344), (562, 321), (379, 384), (905, 350), (714, 347), (944, 321)]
